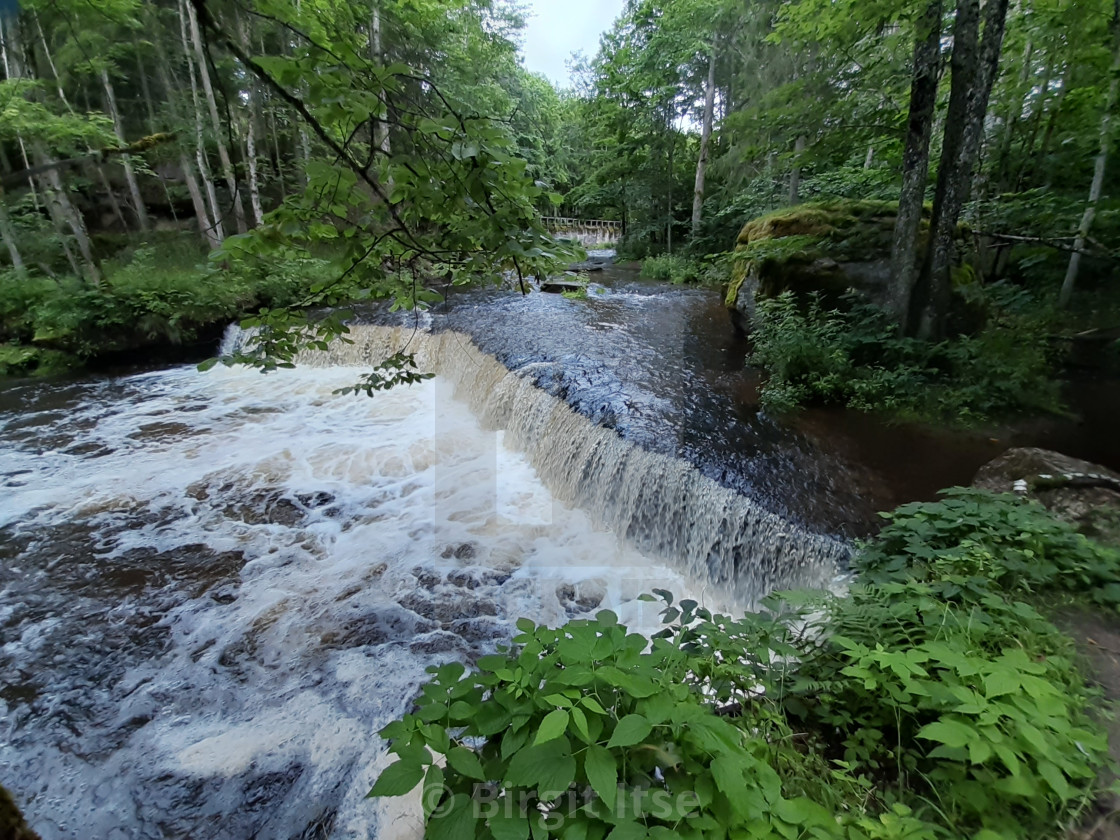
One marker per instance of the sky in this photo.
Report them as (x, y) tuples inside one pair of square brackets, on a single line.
[(557, 28)]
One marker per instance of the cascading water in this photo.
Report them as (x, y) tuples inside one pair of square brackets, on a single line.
[(215, 588), (661, 504)]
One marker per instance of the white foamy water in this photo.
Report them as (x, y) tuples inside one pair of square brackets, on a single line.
[(215, 589)]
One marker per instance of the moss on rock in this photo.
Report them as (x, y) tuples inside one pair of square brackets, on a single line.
[(825, 246)]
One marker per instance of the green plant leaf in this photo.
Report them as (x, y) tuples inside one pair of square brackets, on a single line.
[(466, 762), (546, 767), (554, 725), (632, 729), (602, 773), (433, 789), (397, 779), (509, 827), (950, 732), (458, 822)]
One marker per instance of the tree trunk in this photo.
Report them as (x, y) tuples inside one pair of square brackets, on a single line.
[(795, 173), (254, 183), (210, 234), (705, 139), (915, 164), (61, 209), (114, 205), (212, 104), (126, 163), (64, 210), (251, 133), (978, 66), (278, 158), (153, 123), (1099, 165), (217, 228), (8, 234), (380, 127)]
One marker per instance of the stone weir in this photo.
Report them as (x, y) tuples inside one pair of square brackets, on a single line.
[(660, 504)]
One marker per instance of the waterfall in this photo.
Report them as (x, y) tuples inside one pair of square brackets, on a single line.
[(660, 504)]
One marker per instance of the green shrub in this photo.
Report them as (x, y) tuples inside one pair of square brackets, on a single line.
[(853, 356), (679, 269), (992, 540), (926, 703), (21, 360), (149, 296)]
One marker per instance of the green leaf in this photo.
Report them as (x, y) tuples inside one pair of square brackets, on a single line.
[(628, 831), (1056, 780), (592, 705), (549, 767), (466, 762), (509, 827), (553, 726), (1001, 682), (579, 720), (602, 773), (397, 779), (631, 730), (433, 789), (947, 731), (457, 823), (979, 750)]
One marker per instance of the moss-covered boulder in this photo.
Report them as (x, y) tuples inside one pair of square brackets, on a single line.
[(827, 247)]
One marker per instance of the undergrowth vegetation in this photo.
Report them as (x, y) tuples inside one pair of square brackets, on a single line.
[(680, 269), (933, 700), (852, 355), (150, 295)]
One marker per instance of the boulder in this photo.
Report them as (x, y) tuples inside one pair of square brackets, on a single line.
[(594, 262), (826, 247), (1082, 493), (559, 285)]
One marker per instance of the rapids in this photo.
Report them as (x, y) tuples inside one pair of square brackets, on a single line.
[(216, 587)]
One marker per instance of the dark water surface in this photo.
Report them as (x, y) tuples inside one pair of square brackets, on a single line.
[(664, 366)]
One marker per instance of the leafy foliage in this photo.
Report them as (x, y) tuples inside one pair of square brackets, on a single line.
[(926, 703), (165, 295), (976, 539), (853, 356), (398, 369), (680, 270)]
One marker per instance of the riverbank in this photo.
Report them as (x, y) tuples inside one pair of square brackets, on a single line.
[(935, 699), (159, 300)]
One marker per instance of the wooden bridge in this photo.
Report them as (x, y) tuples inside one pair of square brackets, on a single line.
[(585, 231)]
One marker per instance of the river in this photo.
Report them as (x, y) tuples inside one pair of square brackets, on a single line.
[(216, 587)]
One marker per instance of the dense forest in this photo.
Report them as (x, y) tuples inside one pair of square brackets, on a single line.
[(327, 150)]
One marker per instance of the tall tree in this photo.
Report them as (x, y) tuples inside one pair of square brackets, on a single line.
[(705, 141), (1099, 164), (905, 248), (975, 66)]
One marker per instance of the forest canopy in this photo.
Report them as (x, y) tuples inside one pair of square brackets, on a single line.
[(390, 148)]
